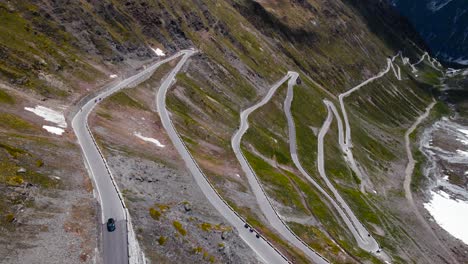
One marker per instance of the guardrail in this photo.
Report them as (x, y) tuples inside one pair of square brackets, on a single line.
[(83, 101), (138, 78), (114, 184)]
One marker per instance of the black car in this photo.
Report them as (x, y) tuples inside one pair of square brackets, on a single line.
[(110, 224), (257, 235)]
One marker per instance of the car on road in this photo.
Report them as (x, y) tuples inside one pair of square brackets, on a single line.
[(110, 224), (257, 235)]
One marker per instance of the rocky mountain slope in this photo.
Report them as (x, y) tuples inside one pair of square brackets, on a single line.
[(442, 23), (56, 52)]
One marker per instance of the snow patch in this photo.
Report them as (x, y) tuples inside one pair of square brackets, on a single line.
[(49, 115), (462, 152), (450, 214), (464, 131), (148, 139), (461, 60), (113, 76), (158, 52), (435, 6), (54, 130)]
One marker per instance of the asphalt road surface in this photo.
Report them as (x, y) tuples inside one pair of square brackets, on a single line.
[(114, 244), (260, 246)]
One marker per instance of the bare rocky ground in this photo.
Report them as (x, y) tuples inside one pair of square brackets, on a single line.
[(158, 197), (172, 218)]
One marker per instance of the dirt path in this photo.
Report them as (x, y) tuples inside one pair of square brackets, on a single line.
[(408, 177)]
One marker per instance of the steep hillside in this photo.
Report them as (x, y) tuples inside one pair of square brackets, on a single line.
[(54, 53)]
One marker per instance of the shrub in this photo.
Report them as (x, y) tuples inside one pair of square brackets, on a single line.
[(205, 226), (9, 217), (178, 226), (162, 240), (15, 180), (155, 214)]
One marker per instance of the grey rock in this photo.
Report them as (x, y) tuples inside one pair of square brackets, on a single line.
[(187, 207)]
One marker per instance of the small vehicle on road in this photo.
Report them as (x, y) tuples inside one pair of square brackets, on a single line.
[(110, 224), (257, 235), (246, 226)]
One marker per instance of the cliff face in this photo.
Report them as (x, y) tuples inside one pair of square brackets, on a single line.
[(55, 51), (442, 24)]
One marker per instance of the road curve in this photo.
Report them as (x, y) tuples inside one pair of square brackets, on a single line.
[(114, 244), (265, 205), (363, 237), (359, 232), (347, 144), (259, 245)]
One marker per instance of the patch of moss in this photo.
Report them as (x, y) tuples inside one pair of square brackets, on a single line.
[(14, 152), (197, 250), (5, 98), (39, 163), (123, 99), (162, 240), (14, 122), (178, 226), (9, 217), (154, 213), (205, 227), (15, 180)]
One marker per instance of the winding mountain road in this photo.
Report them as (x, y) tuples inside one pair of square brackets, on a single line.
[(259, 245), (115, 245), (360, 233), (346, 145), (263, 201)]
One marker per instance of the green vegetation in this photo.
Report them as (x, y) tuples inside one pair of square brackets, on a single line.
[(154, 213), (15, 180), (280, 186), (178, 226), (14, 152), (6, 98), (9, 218), (12, 159), (15, 122), (122, 99), (205, 227), (317, 240), (32, 43), (162, 240), (360, 206), (39, 163)]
